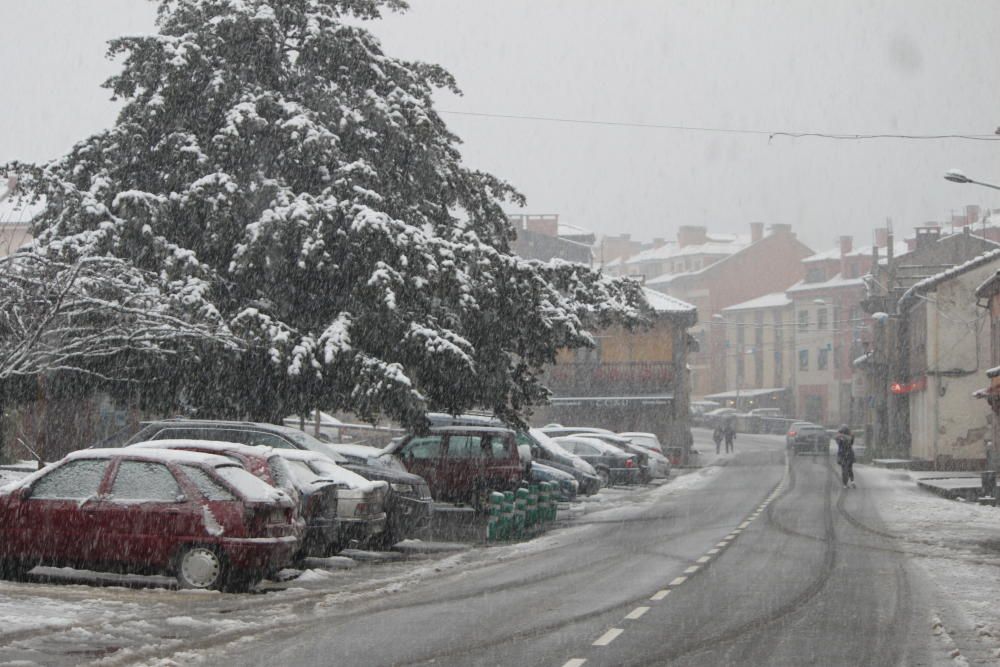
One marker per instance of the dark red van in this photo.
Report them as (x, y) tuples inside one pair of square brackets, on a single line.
[(462, 463), (201, 517)]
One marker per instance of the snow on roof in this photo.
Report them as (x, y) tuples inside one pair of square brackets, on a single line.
[(931, 282), (838, 281), (988, 286), (899, 248), (772, 300), (566, 229), (662, 303), (718, 244)]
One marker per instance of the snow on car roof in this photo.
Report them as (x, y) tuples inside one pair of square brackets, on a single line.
[(153, 454), (363, 451), (589, 440), (331, 470), (221, 446)]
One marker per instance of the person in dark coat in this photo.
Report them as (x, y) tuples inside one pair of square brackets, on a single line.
[(730, 435), (845, 455), (717, 436)]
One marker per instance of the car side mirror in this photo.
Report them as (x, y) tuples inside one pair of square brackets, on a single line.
[(525, 453), (180, 498), (25, 493)]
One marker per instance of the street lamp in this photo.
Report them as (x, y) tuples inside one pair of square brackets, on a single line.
[(957, 176)]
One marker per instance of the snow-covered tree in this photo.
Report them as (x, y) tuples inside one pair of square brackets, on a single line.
[(273, 154), (98, 316)]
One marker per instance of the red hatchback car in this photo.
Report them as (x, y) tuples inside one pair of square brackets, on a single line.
[(198, 516)]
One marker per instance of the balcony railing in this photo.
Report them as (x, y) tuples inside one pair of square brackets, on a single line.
[(623, 379)]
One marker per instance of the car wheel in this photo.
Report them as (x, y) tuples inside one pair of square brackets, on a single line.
[(605, 477), (200, 567)]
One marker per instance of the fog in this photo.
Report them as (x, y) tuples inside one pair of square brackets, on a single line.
[(867, 67)]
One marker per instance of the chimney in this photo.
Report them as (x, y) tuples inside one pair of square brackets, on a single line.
[(881, 237), (756, 231), (542, 224), (659, 241), (691, 235), (925, 236), (846, 244), (971, 214), (959, 220)]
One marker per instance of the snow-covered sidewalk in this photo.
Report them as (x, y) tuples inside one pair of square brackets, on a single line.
[(957, 545)]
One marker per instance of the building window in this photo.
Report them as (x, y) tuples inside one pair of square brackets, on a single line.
[(821, 358), (821, 319), (836, 357), (803, 360), (803, 320), (815, 276)]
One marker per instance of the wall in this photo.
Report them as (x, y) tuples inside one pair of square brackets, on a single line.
[(763, 338), (947, 424), (770, 265)]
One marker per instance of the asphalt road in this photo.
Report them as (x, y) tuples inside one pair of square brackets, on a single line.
[(760, 563)]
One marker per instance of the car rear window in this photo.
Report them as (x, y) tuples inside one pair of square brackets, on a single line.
[(209, 487), (250, 487), (302, 473), (145, 480), (75, 480)]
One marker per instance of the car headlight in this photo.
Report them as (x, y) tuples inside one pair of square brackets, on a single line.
[(403, 488)]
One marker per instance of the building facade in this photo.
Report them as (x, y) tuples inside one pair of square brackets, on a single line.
[(770, 263), (631, 380), (760, 350)]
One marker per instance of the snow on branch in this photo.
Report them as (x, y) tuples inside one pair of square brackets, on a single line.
[(86, 315)]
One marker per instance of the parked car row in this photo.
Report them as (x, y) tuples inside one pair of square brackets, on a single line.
[(223, 504)]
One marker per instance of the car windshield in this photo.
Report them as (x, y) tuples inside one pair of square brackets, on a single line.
[(701, 238)]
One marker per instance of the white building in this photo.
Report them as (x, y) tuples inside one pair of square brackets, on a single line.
[(948, 336)]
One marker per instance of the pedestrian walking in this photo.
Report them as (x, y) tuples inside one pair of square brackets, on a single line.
[(730, 436), (717, 436), (845, 455)]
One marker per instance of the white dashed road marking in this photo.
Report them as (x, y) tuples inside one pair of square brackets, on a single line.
[(704, 559), (637, 613), (659, 595), (575, 662), (678, 581), (608, 637), (692, 569)]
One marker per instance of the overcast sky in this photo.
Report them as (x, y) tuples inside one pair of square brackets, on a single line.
[(859, 66)]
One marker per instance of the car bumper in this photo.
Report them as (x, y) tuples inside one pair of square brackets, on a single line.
[(260, 554), (811, 448), (361, 529), (321, 535), (409, 516), (625, 475)]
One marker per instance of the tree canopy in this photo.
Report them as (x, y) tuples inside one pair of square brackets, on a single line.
[(276, 166)]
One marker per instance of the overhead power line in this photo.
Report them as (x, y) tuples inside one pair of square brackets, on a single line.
[(770, 134)]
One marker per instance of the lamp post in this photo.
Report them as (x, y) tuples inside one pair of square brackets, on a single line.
[(957, 176)]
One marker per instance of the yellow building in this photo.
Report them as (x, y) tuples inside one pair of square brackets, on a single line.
[(630, 381)]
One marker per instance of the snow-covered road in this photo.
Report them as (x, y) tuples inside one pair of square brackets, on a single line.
[(892, 538)]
